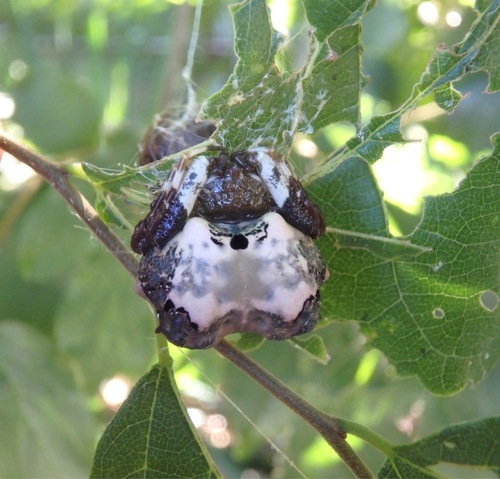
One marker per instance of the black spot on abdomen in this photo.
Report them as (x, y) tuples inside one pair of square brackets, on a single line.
[(239, 242)]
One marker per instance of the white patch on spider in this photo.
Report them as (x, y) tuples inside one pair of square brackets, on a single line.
[(270, 274), (194, 180), (278, 186)]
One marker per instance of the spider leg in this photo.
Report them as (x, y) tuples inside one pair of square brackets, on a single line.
[(170, 210), (290, 197)]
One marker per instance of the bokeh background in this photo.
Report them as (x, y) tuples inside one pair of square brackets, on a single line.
[(81, 81)]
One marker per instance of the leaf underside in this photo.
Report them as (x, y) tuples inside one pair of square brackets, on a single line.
[(470, 444)]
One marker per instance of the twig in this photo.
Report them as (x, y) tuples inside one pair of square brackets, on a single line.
[(329, 427), (57, 177)]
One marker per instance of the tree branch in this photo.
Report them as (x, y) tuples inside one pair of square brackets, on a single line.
[(57, 177), (328, 426)]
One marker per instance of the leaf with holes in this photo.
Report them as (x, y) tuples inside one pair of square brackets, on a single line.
[(478, 51), (488, 57), (261, 105), (435, 314)]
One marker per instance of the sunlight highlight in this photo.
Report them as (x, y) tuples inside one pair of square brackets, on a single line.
[(7, 106), (13, 173), (18, 70), (280, 15), (306, 147), (453, 19), (115, 390), (367, 367), (428, 13), (401, 172)]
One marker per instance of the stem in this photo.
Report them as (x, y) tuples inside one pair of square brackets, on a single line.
[(331, 428), (164, 358), (328, 426), (378, 442)]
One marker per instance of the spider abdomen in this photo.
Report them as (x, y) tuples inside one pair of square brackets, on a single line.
[(259, 276)]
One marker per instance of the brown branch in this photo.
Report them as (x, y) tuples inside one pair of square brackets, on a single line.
[(328, 426), (57, 177)]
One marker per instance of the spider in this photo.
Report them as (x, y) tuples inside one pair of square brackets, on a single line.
[(228, 247)]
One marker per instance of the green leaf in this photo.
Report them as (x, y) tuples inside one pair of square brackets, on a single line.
[(447, 97), (381, 132), (332, 80), (325, 15), (314, 347), (368, 144), (397, 468), (108, 212), (151, 435), (260, 105), (434, 315), (132, 181), (238, 108), (255, 42), (478, 50), (474, 444), (116, 181), (249, 341), (379, 246), (448, 66), (488, 57), (442, 291), (350, 199), (47, 429)]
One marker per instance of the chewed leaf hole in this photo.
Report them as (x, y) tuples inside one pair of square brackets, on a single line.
[(438, 313), (489, 300), (437, 266)]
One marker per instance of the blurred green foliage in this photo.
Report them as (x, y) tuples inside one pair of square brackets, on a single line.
[(86, 78)]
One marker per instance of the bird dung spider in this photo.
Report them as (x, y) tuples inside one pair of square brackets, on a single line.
[(228, 247)]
